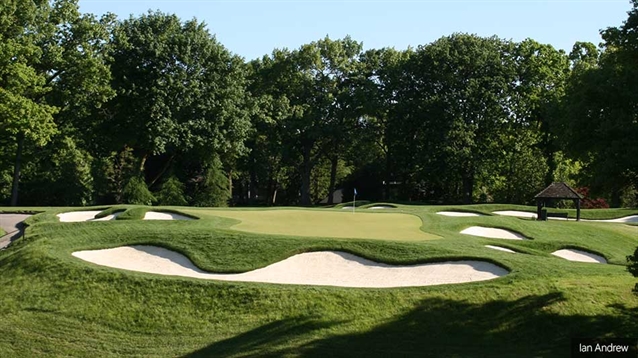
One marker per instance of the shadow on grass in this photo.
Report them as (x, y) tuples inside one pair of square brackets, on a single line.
[(270, 340), (526, 327)]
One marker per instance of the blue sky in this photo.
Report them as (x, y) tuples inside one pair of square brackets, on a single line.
[(253, 28)]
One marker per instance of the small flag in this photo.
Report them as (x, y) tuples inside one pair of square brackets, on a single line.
[(355, 191)]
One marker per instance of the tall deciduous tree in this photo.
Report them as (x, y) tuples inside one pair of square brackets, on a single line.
[(179, 91), (602, 101), (52, 59)]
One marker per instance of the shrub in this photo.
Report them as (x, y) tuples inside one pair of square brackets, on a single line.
[(588, 203), (136, 192), (633, 267), (214, 188), (172, 193)]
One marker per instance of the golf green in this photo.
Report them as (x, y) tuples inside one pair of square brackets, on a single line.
[(335, 224)]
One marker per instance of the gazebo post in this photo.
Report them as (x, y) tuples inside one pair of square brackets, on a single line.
[(577, 209), (539, 208)]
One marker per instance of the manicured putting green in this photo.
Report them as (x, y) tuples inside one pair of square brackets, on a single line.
[(314, 223)]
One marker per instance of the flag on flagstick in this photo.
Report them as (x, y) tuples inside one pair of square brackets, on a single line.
[(354, 202)]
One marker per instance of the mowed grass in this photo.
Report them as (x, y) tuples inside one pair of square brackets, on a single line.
[(52, 304), (335, 224)]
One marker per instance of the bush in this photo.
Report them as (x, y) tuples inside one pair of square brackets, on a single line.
[(136, 192), (588, 203), (633, 267), (172, 193)]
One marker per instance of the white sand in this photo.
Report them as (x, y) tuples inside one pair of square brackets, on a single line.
[(500, 248), (633, 219), (381, 207), (76, 216), (347, 207), (520, 214), (326, 268), (493, 233), (457, 213), (156, 215), (578, 255)]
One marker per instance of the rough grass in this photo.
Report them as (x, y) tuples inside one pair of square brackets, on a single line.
[(56, 305)]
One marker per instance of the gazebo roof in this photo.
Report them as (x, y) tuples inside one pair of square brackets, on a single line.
[(558, 191)]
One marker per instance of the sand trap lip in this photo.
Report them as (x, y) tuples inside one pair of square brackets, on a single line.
[(500, 248), (161, 215), (493, 233), (377, 207), (457, 213), (520, 214), (325, 268), (578, 255), (77, 216)]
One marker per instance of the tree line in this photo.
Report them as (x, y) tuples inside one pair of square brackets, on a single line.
[(154, 110)]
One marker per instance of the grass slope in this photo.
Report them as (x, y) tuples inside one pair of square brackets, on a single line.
[(53, 304)]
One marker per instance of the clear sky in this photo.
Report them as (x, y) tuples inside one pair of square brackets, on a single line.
[(253, 28)]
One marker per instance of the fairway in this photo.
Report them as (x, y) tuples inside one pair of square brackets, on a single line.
[(336, 224)]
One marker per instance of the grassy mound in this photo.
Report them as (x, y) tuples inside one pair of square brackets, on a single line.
[(54, 304)]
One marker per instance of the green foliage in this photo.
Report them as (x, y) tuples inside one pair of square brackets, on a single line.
[(112, 172), (172, 193), (213, 190), (633, 266), (136, 192), (179, 90), (59, 174)]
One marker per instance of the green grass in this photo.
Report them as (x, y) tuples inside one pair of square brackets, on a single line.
[(2, 232), (335, 224), (53, 304)]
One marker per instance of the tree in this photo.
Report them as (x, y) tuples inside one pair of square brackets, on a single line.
[(172, 193), (52, 68), (601, 125), (136, 192), (454, 112), (179, 91)]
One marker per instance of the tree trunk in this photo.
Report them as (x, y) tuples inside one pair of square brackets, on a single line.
[(16, 171), (305, 175), (615, 198), (468, 187), (164, 169), (333, 178), (230, 185), (274, 195), (386, 189), (252, 185), (143, 163)]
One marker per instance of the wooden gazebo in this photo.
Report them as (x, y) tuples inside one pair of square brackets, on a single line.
[(557, 191)]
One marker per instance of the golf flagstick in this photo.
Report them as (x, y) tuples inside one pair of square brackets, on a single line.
[(354, 202)]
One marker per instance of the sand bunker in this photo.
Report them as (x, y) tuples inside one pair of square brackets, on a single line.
[(377, 207), (578, 255), (76, 216), (633, 219), (493, 233), (500, 248), (326, 268), (156, 215), (457, 213), (347, 207), (520, 214)]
